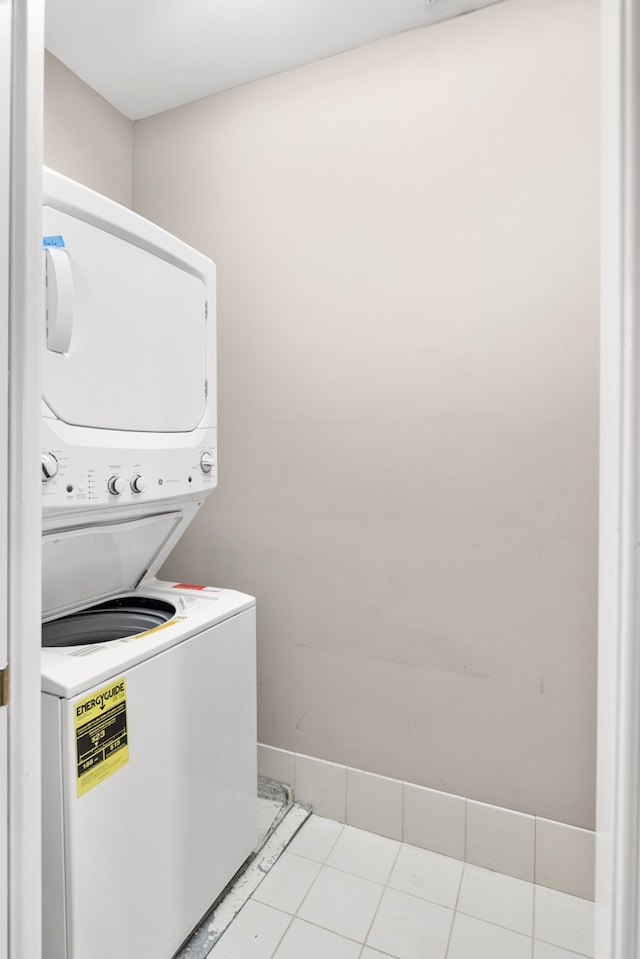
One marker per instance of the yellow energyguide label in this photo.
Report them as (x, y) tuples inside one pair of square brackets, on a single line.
[(102, 744)]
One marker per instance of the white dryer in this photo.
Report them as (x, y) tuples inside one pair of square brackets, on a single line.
[(149, 716)]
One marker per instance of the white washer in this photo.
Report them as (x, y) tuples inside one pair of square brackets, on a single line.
[(145, 827), (149, 710)]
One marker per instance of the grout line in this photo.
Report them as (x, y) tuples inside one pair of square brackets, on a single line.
[(572, 952), (295, 775), (309, 922), (316, 925), (318, 874), (346, 796), (356, 875), (535, 873), (346, 777), (374, 917), (490, 922), (279, 942), (384, 889), (322, 866), (335, 841), (466, 831), (455, 907)]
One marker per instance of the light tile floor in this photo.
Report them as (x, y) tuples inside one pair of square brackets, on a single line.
[(343, 893)]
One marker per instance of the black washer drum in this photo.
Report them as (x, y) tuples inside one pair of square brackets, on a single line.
[(115, 619)]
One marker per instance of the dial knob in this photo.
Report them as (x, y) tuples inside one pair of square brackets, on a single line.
[(117, 485), (138, 483), (49, 466), (206, 462)]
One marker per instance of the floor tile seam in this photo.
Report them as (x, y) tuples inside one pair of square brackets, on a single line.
[(378, 882), (309, 922), (384, 955), (466, 832), (286, 930), (455, 908), (490, 922), (506, 875), (301, 855), (323, 865), (384, 888), (387, 885), (389, 839), (356, 875), (412, 895), (333, 844), (268, 905), (298, 855), (305, 897), (533, 917), (433, 902), (387, 882), (281, 908), (394, 864), (535, 873), (291, 912), (317, 925), (547, 942), (418, 899), (450, 936)]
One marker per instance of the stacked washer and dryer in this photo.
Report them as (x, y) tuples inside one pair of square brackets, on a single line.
[(148, 687)]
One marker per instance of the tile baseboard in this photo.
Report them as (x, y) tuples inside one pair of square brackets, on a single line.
[(552, 854)]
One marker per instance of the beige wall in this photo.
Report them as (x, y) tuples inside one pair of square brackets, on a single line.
[(406, 238), (407, 242), (84, 136)]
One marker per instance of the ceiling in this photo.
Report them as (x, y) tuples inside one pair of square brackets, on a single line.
[(146, 56)]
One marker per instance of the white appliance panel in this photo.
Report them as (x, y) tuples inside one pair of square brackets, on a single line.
[(126, 345), (149, 849), (85, 462)]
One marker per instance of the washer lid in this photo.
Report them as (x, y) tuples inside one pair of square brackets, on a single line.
[(90, 563)]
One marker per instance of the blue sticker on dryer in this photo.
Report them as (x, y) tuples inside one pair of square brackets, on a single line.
[(53, 241)]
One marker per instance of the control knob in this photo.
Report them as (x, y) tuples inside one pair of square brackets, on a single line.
[(138, 483), (206, 462), (49, 466), (117, 485)]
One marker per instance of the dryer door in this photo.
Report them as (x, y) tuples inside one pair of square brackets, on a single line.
[(126, 339)]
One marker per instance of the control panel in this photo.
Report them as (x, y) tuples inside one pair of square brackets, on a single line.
[(99, 476)]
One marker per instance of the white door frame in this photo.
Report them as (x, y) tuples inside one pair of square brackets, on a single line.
[(618, 822), (20, 479), (5, 166)]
